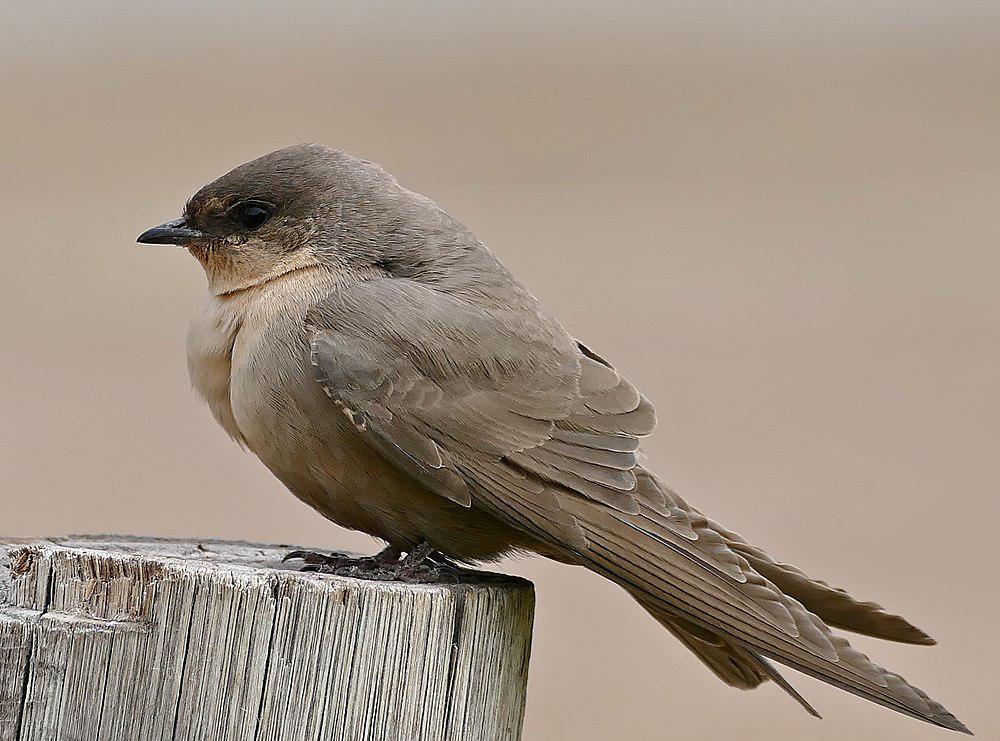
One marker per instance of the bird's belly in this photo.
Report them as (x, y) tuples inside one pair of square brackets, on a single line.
[(287, 420), (271, 396)]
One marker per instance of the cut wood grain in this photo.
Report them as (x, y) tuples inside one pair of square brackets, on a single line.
[(125, 639)]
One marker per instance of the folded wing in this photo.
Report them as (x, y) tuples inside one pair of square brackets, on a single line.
[(519, 419)]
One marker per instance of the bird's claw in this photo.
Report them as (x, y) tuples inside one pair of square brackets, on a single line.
[(421, 565)]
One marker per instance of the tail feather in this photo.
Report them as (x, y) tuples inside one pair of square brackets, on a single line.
[(695, 580), (835, 606), (775, 676), (712, 650), (737, 667)]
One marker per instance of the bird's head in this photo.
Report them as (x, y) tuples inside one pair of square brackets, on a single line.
[(287, 210)]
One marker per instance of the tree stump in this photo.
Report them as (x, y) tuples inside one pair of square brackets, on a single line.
[(129, 639)]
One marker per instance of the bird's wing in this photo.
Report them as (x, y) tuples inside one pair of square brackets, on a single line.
[(506, 411)]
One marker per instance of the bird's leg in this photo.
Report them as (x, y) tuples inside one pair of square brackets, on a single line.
[(423, 564), (419, 555), (346, 565)]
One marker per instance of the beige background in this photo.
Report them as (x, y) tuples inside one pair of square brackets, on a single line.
[(780, 219)]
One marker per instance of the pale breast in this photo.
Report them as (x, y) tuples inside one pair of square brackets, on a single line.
[(270, 369), (248, 359), (210, 340), (244, 347)]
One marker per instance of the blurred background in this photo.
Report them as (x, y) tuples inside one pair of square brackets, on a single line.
[(780, 219)]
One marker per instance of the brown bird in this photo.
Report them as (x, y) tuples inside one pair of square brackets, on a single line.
[(396, 377)]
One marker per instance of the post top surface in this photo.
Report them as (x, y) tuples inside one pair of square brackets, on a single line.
[(239, 556)]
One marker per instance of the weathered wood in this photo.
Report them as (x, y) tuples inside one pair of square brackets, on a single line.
[(115, 638)]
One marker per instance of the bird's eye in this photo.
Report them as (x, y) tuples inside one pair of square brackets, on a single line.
[(251, 214)]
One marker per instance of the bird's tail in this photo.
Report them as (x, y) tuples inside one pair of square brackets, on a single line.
[(736, 666), (735, 607)]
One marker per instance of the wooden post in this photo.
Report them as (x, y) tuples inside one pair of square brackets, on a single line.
[(122, 639)]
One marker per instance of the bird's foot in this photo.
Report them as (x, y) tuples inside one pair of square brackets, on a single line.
[(345, 565), (421, 565)]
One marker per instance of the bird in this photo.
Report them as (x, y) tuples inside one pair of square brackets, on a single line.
[(371, 351)]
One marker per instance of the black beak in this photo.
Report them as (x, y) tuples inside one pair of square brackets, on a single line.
[(173, 232)]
